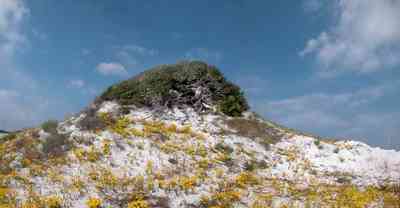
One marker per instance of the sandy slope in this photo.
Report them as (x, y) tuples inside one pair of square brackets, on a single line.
[(178, 158)]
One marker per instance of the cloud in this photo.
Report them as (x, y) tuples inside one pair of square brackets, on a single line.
[(111, 68), (76, 83), (21, 105), (364, 37), (141, 50), (127, 58), (83, 87), (85, 52), (12, 13), (204, 54), (344, 115), (312, 5), (39, 34), (384, 128), (177, 35), (252, 85), (17, 111), (133, 55)]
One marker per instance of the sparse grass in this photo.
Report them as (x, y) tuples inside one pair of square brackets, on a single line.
[(91, 155), (254, 165), (255, 129), (138, 204), (53, 202), (262, 201), (226, 159), (246, 179), (187, 183), (225, 198), (7, 197), (223, 148), (351, 196), (8, 137)]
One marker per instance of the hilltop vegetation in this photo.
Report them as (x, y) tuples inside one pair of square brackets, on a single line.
[(195, 84)]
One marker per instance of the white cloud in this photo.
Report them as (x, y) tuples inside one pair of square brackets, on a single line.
[(251, 84), (177, 35), (17, 111), (39, 34), (141, 50), (12, 13), (312, 5), (133, 55), (364, 38), (346, 114), (127, 58), (111, 68), (203, 54), (21, 105), (76, 83), (85, 52)]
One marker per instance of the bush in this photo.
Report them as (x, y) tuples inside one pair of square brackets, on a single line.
[(56, 145), (92, 121), (50, 126), (224, 148), (187, 83)]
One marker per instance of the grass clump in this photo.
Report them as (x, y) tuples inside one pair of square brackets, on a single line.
[(245, 179), (8, 137), (353, 197), (7, 197), (50, 126), (53, 202), (194, 84), (93, 203), (138, 204), (222, 199), (221, 147), (56, 145)]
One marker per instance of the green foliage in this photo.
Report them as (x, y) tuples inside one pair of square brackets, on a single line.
[(92, 120), (254, 164), (221, 147), (50, 126), (234, 104), (172, 85)]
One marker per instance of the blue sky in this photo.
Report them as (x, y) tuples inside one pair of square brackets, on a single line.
[(326, 67)]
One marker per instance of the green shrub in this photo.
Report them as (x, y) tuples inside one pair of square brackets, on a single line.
[(56, 145), (233, 105), (92, 121), (187, 83), (254, 164), (50, 126), (223, 148)]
